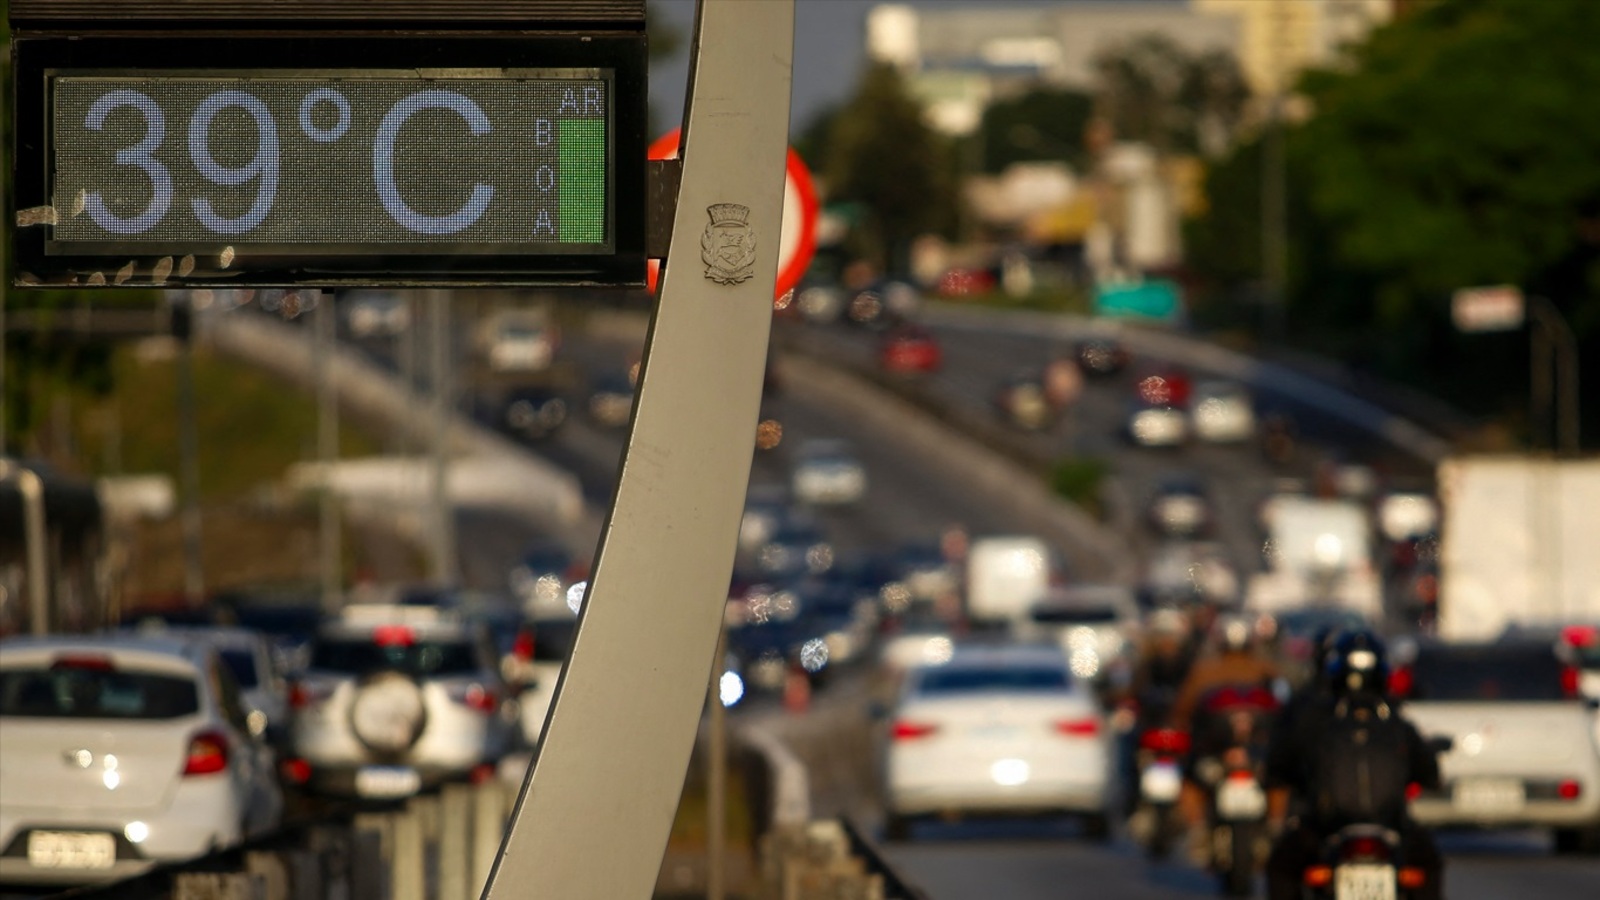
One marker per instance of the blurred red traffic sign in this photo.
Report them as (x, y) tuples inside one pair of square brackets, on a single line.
[(797, 244)]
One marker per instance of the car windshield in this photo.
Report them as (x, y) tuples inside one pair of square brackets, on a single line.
[(988, 679), (1487, 673), (419, 659), (96, 693), (241, 664)]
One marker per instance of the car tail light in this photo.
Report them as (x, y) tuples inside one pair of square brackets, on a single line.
[(1079, 727), (1400, 682), (1318, 876), (208, 754), (302, 695), (1413, 791), (84, 662), (1411, 878), (295, 771), (1571, 680), (1569, 790), (482, 773), (1241, 775), (903, 730), (478, 697), (1364, 848), (1581, 636), (522, 647), (394, 636), (1165, 740)]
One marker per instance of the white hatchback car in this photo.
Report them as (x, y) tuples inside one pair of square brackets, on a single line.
[(999, 730), (1523, 740), (119, 752), (396, 699), (826, 471), (1221, 412)]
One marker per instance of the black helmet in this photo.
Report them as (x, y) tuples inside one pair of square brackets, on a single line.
[(1358, 665)]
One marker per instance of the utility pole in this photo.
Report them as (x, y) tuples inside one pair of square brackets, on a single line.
[(1555, 370), (444, 548), (194, 587), (1274, 189), (322, 348)]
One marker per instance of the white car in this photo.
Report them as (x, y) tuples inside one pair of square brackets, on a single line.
[(1523, 749), (1220, 412), (249, 658), (118, 752), (827, 472), (1096, 625), (998, 730), (552, 646), (1158, 426), (398, 698)]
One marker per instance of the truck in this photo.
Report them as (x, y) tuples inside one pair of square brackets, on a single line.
[(1006, 575), (1318, 552), (1519, 544)]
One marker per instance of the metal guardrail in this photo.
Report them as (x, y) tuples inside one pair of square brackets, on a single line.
[(895, 884)]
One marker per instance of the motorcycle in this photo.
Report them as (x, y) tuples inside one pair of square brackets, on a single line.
[(1159, 759), (1362, 862), (1237, 811)]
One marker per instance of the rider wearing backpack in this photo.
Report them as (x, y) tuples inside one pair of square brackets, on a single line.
[(1350, 760)]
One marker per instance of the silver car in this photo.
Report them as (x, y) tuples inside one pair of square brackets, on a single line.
[(1523, 741), (398, 698)]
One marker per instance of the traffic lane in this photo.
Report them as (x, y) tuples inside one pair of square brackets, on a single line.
[(1044, 859), (489, 542), (1026, 859)]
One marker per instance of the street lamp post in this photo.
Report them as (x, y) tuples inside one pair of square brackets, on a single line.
[(31, 488), (1554, 355)]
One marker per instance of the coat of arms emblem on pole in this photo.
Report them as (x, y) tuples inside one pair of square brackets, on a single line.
[(728, 246)]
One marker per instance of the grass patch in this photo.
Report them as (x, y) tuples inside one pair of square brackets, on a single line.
[(251, 427), (1044, 299), (1078, 481)]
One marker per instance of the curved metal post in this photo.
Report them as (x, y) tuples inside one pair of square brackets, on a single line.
[(598, 804)]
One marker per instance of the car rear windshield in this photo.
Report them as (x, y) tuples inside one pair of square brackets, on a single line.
[(973, 679), (420, 659), (1473, 674), (1075, 615), (242, 664), (94, 693)]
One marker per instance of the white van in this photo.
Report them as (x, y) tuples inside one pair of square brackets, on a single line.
[(1005, 576)]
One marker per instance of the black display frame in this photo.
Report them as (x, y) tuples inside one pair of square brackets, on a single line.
[(40, 260)]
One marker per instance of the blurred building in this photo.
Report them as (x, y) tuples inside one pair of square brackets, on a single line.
[(958, 60), (1279, 38)]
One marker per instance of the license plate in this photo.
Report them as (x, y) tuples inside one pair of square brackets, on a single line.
[(387, 781), (1364, 882), (1160, 783), (71, 850), (1241, 799), (1490, 796)]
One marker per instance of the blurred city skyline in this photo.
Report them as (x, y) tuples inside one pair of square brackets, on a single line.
[(829, 51)]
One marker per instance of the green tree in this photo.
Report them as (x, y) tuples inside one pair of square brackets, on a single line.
[(883, 156), (1042, 124), (1455, 148), (1151, 89)]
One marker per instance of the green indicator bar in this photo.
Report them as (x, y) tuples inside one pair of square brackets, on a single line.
[(583, 181)]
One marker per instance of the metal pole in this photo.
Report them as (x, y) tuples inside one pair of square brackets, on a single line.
[(1560, 349), (31, 488), (188, 454), (1539, 380), (444, 556), (596, 809), (717, 782), (327, 451), (1274, 212)]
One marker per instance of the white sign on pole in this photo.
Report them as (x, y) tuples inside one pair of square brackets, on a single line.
[(1493, 308)]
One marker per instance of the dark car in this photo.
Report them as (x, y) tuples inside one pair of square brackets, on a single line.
[(532, 413), (1101, 356)]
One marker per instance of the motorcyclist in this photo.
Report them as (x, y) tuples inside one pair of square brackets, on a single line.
[(1164, 659), (1236, 662), (1306, 759)]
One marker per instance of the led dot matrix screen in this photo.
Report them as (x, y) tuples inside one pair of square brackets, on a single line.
[(396, 160), (328, 162)]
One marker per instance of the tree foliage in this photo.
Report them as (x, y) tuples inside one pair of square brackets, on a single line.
[(1151, 89), (1456, 148), (883, 156), (1042, 124)]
